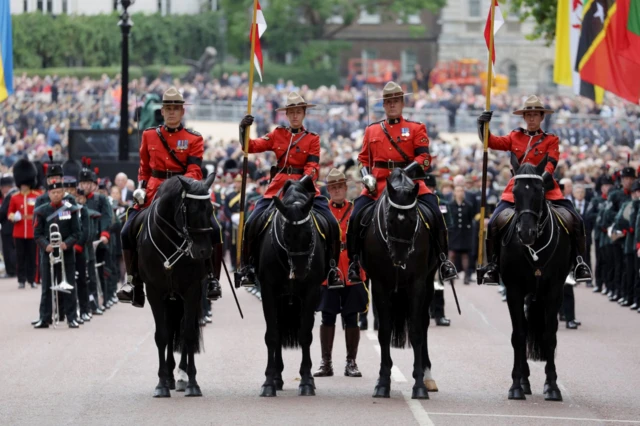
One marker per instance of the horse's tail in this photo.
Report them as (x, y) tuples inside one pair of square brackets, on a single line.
[(177, 327), (289, 314), (536, 325), (399, 319)]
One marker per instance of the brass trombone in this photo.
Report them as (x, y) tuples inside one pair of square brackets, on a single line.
[(55, 239)]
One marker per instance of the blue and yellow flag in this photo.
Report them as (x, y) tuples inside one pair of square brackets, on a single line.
[(6, 52)]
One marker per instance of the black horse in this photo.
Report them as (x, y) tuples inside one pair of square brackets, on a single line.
[(398, 259), (535, 259), (174, 242), (291, 268)]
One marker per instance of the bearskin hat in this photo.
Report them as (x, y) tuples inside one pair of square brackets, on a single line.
[(86, 174), (25, 173)]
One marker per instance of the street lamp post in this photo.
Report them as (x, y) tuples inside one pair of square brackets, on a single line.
[(125, 25)]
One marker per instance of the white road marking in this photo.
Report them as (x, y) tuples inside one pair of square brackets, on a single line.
[(418, 411), (515, 416), (125, 358)]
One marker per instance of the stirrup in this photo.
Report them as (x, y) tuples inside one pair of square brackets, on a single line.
[(335, 273), (241, 277), (484, 275), (580, 263), (448, 270)]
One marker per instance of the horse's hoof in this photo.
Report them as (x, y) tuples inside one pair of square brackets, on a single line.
[(161, 392), (172, 384), (279, 384), (381, 391), (553, 395), (192, 390), (181, 386), (420, 393), (526, 386), (268, 391), (431, 385), (517, 393), (306, 390)]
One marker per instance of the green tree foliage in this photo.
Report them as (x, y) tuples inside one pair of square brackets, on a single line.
[(305, 29), (543, 12), (94, 41)]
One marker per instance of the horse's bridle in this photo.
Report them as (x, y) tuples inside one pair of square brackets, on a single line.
[(184, 235), (388, 238), (536, 214), (309, 253)]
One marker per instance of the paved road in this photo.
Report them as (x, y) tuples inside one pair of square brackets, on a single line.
[(105, 372)]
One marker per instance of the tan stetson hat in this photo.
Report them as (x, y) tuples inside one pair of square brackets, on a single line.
[(533, 104), (392, 90), (172, 97), (294, 100), (336, 177)]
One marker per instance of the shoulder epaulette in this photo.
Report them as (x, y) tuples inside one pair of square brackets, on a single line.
[(280, 126), (149, 128), (519, 129), (193, 132), (313, 133), (375, 122), (412, 121)]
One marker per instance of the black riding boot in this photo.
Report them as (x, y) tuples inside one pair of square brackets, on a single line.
[(334, 280), (327, 333), (448, 270), (214, 292), (246, 276), (353, 250), (352, 339), (582, 272), (489, 274), (133, 290)]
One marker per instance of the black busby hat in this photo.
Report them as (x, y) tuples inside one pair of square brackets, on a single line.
[(40, 179), (628, 172), (25, 173), (605, 180), (53, 169), (635, 186), (71, 168), (102, 184), (430, 180), (230, 166), (7, 180), (80, 191), (55, 184), (86, 174), (69, 181)]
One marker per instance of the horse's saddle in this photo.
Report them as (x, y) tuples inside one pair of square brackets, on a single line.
[(260, 224), (501, 221), (427, 217), (567, 220)]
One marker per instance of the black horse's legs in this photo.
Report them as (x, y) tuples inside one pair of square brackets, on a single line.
[(272, 341), (551, 389), (171, 361), (191, 328), (429, 381), (161, 337), (181, 384), (383, 387), (307, 385), (279, 368), (192, 386), (515, 300)]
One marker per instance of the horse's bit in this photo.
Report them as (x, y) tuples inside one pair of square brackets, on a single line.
[(309, 253), (185, 234), (388, 239), (539, 226)]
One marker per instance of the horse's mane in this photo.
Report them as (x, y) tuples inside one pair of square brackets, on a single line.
[(172, 187), (294, 192), (400, 181), (527, 169)]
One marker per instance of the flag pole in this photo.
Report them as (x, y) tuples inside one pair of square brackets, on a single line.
[(485, 155), (245, 144)]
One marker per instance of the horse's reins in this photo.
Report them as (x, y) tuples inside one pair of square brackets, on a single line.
[(390, 238), (184, 235), (309, 253)]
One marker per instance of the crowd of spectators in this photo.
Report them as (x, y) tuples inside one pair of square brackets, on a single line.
[(39, 114)]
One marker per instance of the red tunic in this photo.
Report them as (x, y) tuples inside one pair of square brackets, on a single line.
[(25, 204), (304, 155), (413, 141), (188, 147), (518, 142), (342, 214)]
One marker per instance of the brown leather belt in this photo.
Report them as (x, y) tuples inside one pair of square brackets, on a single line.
[(291, 170), (164, 174), (390, 164)]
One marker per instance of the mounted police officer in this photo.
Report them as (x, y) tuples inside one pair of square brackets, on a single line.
[(298, 155), (390, 143), (165, 151), (530, 145)]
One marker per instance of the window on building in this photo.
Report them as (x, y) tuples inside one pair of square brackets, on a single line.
[(367, 18), (65, 6), (159, 6), (369, 54), (168, 7), (25, 6), (548, 75), (408, 60), (40, 5), (213, 5), (474, 8), (512, 73), (50, 6)]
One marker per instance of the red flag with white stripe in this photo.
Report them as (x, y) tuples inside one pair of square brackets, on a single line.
[(498, 21), (261, 26)]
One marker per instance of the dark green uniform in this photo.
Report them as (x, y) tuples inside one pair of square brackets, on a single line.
[(616, 200), (100, 203), (66, 216), (81, 261), (594, 216)]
